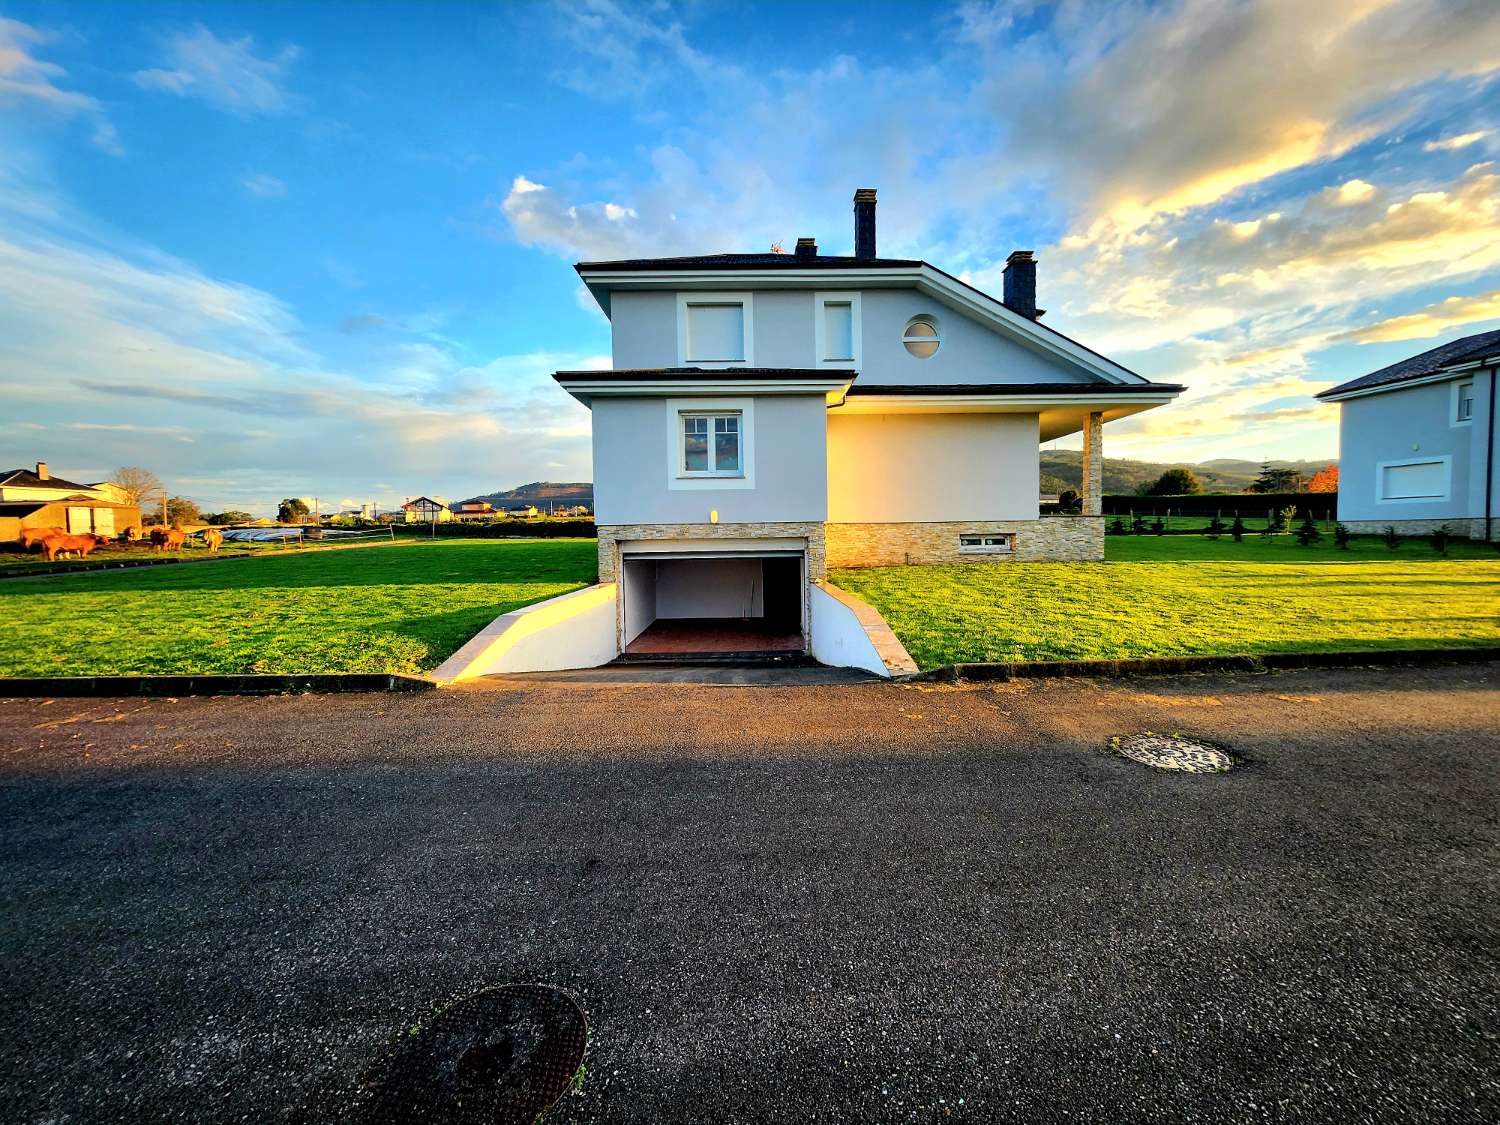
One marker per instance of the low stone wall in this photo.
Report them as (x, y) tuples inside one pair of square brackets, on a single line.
[(1472, 528), (611, 535), (1059, 539)]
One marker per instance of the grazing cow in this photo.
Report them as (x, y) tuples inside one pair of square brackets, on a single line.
[(31, 536), (212, 537), (131, 534), (168, 538), (80, 544)]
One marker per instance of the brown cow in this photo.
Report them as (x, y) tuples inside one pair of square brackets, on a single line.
[(168, 538), (213, 537), (31, 536), (81, 544)]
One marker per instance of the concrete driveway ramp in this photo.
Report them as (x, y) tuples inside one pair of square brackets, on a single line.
[(1172, 752), (501, 1056)]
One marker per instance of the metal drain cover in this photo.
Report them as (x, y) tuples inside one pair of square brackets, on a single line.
[(1172, 752), (502, 1055)]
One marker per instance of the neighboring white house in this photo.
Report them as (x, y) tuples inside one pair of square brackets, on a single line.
[(1417, 442), (770, 416)]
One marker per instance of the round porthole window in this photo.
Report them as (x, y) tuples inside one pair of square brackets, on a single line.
[(922, 337)]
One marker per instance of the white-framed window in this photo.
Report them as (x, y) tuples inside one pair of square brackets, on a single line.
[(984, 544), (1415, 481), (923, 336), (836, 329), (711, 443), (715, 330), (1463, 403)]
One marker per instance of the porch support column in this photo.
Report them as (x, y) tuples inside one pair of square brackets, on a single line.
[(1093, 465)]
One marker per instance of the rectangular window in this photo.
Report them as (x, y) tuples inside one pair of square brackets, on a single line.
[(984, 544), (711, 445), (1420, 480), (1463, 408), (715, 333), (838, 331)]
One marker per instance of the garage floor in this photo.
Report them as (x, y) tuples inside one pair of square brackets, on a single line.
[(713, 635)]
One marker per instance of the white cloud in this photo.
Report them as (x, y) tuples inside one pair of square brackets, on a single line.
[(226, 73), (264, 185), (1463, 140), (28, 80), (1452, 312)]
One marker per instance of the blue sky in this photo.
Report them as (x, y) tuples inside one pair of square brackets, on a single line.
[(325, 249)]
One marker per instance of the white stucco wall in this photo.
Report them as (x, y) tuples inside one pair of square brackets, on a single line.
[(645, 335), (839, 638), (709, 588), (638, 589), (1412, 424), (898, 468), (574, 630), (633, 465)]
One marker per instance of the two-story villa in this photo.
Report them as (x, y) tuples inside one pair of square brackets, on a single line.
[(769, 416)]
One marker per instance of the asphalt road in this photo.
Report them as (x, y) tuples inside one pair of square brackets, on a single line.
[(827, 902)]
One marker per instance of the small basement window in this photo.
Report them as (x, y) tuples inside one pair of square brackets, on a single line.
[(984, 544)]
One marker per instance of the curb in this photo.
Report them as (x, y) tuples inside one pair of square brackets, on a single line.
[(1176, 665), (249, 684)]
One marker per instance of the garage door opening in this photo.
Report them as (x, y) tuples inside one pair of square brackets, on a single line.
[(740, 607)]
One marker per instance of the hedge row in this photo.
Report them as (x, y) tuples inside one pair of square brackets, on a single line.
[(1323, 505), (510, 529)]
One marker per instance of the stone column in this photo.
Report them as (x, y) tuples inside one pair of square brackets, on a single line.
[(1093, 465)]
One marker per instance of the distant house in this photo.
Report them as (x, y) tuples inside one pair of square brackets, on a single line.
[(1417, 442), (32, 498), (522, 511), (424, 509), (474, 511)]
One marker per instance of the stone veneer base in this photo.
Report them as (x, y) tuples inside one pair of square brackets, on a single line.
[(1473, 528), (1056, 539)]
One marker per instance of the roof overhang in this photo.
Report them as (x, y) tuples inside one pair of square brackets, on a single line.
[(1059, 413), (925, 278), (1442, 375), (586, 386)]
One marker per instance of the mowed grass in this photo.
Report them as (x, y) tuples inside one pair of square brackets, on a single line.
[(1160, 596), (370, 609)]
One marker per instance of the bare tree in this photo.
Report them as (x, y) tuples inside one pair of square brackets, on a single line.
[(141, 485)]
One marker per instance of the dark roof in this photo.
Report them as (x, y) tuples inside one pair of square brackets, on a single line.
[(686, 373), (1480, 346), (1011, 388), (748, 262), (21, 507), (26, 478)]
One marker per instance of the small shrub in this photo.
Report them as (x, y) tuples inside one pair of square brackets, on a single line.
[(1215, 528), (1390, 538), (1307, 532), (1237, 529), (1440, 539), (1116, 526), (1341, 537), (1069, 501), (1158, 527), (1137, 525)]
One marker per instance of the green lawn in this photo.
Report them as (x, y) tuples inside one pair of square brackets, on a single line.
[(1166, 596), (372, 609)]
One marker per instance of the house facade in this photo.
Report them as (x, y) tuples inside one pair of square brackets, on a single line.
[(474, 511), (771, 416), (34, 498), (424, 509), (1417, 443)]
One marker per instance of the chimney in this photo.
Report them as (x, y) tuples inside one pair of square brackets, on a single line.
[(864, 223), (42, 472), (807, 248), (1020, 284)]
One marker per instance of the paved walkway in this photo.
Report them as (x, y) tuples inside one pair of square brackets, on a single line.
[(786, 902)]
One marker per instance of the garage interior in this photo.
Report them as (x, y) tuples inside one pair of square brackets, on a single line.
[(716, 606)]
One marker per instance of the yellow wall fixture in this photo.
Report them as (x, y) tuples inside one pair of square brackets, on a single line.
[(713, 516)]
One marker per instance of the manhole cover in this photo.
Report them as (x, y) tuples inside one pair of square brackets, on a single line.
[(1172, 752), (503, 1055)]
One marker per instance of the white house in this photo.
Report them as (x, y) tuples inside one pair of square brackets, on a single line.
[(769, 416), (1417, 444), (426, 509)]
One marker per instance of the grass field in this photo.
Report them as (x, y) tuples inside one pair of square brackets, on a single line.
[(1160, 596), (371, 609)]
